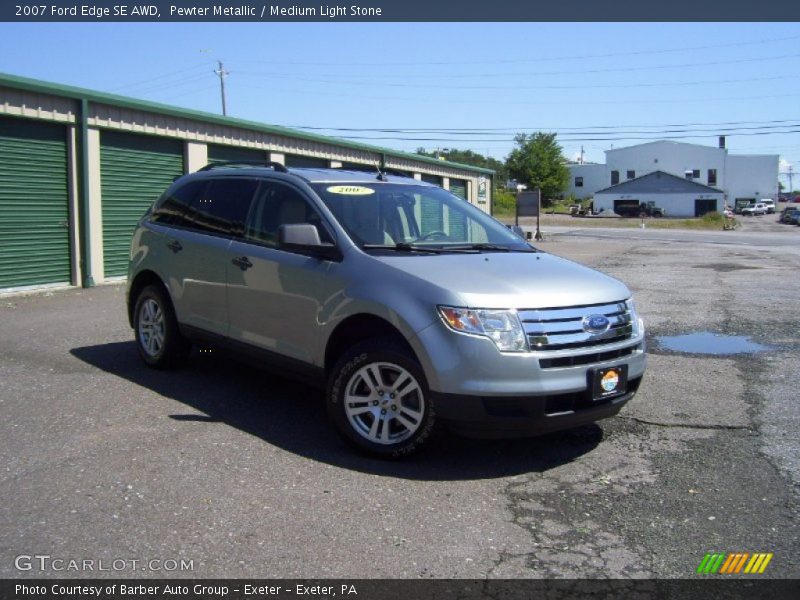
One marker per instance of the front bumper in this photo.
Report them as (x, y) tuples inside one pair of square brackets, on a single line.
[(482, 392), (523, 416)]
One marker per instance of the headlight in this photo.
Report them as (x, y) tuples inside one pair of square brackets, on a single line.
[(500, 326), (636, 322)]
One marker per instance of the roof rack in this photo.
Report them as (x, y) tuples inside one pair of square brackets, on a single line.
[(395, 172), (245, 163)]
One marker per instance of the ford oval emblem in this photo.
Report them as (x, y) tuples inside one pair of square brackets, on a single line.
[(596, 324)]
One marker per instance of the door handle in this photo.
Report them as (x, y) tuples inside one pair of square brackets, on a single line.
[(175, 246), (242, 262)]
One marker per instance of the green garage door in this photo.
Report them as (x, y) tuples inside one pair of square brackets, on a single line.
[(459, 187), (456, 222), (297, 160), (135, 170), (34, 204), (432, 218), (233, 153)]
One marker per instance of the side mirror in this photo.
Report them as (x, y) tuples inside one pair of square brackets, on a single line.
[(303, 238)]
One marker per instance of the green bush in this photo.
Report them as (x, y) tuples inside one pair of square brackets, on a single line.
[(712, 218), (505, 203)]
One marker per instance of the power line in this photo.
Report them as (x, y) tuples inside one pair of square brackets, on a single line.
[(174, 83), (730, 126), (205, 88), (378, 83), (567, 137), (538, 59), (581, 71), (159, 77), (461, 99)]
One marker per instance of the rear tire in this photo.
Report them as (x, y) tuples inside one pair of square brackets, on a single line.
[(158, 339), (378, 398)]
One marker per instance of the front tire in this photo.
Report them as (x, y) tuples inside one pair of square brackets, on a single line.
[(379, 400), (158, 339)]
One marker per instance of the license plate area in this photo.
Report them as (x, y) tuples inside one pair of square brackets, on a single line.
[(608, 382)]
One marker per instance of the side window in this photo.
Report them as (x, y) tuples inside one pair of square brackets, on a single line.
[(172, 207), (222, 208), (276, 204)]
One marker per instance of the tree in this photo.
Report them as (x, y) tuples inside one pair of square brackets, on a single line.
[(468, 157), (538, 163)]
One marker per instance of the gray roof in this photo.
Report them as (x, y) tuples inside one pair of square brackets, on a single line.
[(659, 182)]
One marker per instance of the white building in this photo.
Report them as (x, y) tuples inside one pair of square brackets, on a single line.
[(586, 179), (678, 196), (741, 178)]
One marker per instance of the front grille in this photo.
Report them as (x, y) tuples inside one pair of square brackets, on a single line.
[(586, 359), (560, 328)]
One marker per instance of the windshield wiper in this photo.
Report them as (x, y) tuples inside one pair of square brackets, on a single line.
[(491, 247), (402, 247)]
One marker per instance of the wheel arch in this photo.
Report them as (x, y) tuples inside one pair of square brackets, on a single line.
[(141, 281), (360, 328)]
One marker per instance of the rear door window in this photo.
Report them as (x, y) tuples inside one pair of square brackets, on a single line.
[(171, 208), (222, 208)]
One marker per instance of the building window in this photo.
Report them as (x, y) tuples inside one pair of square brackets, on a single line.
[(696, 174), (712, 177), (614, 177), (579, 182), (631, 174)]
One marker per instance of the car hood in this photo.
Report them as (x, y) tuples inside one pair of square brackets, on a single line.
[(511, 280)]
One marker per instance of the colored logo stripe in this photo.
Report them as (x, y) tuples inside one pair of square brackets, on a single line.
[(758, 564), (711, 563), (734, 562)]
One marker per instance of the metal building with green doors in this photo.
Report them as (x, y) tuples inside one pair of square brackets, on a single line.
[(78, 169)]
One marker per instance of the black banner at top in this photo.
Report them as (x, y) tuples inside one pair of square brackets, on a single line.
[(378, 11)]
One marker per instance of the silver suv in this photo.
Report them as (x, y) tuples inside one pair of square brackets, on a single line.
[(408, 304)]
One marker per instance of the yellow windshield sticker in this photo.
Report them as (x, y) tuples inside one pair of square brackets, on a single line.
[(350, 190)]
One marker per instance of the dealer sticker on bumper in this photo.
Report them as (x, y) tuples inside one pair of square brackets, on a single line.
[(609, 382)]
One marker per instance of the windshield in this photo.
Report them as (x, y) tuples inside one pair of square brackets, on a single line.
[(407, 217)]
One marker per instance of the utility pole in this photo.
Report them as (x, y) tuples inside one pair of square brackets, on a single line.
[(791, 189), (222, 73), (581, 154)]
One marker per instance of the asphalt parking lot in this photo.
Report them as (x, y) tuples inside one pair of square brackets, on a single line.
[(237, 471)]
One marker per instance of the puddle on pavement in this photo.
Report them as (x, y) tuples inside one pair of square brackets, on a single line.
[(705, 342)]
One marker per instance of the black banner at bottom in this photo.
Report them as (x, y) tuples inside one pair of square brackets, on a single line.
[(391, 589)]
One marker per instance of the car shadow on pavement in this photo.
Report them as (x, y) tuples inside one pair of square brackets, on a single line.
[(291, 416)]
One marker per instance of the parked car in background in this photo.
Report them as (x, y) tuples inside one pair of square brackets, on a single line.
[(751, 210), (788, 214), (770, 204)]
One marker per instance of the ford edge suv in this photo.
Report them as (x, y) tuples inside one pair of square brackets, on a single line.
[(406, 303)]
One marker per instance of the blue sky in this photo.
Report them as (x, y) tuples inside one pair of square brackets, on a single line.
[(584, 80)]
